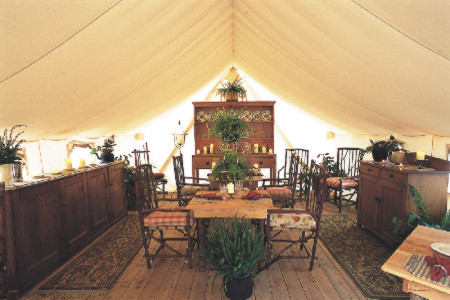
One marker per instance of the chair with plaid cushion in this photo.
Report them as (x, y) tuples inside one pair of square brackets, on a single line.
[(346, 178), (143, 157), (283, 190), (297, 226), (174, 220), (186, 189)]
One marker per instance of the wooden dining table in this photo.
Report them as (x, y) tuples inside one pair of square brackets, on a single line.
[(418, 242), (208, 209)]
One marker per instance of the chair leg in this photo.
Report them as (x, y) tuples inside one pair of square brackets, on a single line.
[(313, 252), (335, 196), (303, 237), (146, 246), (340, 200)]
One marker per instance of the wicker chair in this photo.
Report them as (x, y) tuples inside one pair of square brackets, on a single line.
[(347, 162), (152, 218), (305, 221)]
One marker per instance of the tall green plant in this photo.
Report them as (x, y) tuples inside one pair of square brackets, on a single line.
[(233, 248), (128, 170), (424, 217), (9, 145), (231, 167), (229, 126)]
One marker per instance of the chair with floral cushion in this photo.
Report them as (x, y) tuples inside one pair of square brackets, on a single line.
[(346, 178), (143, 157), (303, 224), (186, 189), (152, 219), (283, 190)]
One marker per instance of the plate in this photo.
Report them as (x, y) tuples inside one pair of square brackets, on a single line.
[(85, 167), (38, 176), (57, 173), (441, 248), (92, 165), (73, 169)]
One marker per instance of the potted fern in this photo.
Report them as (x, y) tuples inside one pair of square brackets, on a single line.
[(106, 150), (9, 145), (233, 248), (231, 168), (232, 90)]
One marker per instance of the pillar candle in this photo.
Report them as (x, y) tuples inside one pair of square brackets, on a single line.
[(205, 150), (82, 162), (264, 150), (398, 156), (256, 166), (270, 151), (255, 150), (211, 148), (213, 165), (230, 188), (420, 155), (180, 140), (68, 163), (198, 151)]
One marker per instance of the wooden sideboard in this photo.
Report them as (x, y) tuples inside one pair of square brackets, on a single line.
[(263, 126), (47, 222), (384, 194)]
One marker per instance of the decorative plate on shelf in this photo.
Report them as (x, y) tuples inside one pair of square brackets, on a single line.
[(212, 116), (202, 116), (246, 146), (257, 116), (223, 147), (441, 248), (247, 116), (266, 115)]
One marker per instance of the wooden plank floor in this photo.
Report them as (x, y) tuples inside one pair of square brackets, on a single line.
[(286, 279)]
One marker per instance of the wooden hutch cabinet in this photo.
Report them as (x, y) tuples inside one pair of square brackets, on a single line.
[(260, 116), (44, 223), (384, 194)]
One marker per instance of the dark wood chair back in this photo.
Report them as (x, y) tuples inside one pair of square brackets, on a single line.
[(145, 186), (141, 156), (303, 159), (178, 169), (317, 187), (348, 161)]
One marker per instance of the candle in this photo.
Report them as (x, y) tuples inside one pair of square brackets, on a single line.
[(180, 140), (401, 164), (213, 165), (82, 162), (198, 151), (264, 150), (68, 163), (256, 166), (398, 156), (255, 149), (230, 188), (420, 155), (211, 148), (205, 150), (270, 151)]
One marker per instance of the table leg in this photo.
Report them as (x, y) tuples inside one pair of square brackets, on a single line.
[(201, 242), (260, 223)]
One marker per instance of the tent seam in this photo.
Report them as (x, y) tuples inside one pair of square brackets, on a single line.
[(405, 34), (60, 44)]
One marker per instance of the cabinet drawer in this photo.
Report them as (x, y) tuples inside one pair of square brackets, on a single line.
[(263, 162), (203, 162), (398, 178), (369, 170)]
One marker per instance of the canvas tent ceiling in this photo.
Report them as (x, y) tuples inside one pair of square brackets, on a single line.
[(93, 68)]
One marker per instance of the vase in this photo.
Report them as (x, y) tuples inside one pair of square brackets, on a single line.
[(379, 154), (6, 173), (239, 288), (107, 158)]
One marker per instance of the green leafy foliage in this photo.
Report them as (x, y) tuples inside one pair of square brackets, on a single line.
[(232, 86), (231, 167), (108, 146), (424, 217), (330, 165), (229, 126), (233, 248), (9, 145), (128, 171), (389, 145)]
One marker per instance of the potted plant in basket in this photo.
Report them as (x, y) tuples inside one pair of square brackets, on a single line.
[(106, 150), (233, 249), (9, 145), (232, 90), (381, 149)]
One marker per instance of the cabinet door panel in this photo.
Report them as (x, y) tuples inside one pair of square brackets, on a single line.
[(392, 205), (367, 202), (36, 230), (98, 199), (75, 212), (117, 191)]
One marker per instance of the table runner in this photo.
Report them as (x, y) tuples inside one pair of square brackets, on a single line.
[(416, 265)]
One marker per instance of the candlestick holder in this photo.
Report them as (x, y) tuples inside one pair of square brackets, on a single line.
[(420, 163), (231, 195)]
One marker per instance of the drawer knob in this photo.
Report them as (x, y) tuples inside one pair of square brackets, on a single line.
[(207, 163), (260, 162), (377, 199), (391, 175), (369, 169)]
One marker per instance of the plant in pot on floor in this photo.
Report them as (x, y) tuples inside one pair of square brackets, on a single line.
[(107, 149), (232, 90), (381, 149), (9, 145), (233, 249)]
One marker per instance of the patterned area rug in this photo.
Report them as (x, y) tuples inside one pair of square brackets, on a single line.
[(95, 271), (361, 255)]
